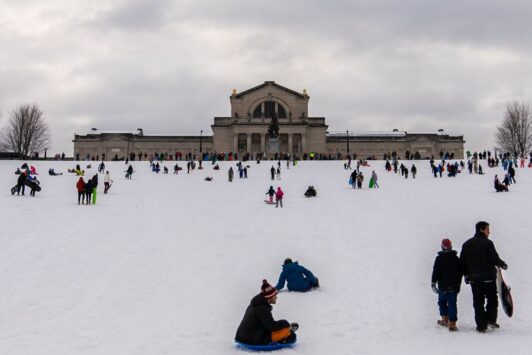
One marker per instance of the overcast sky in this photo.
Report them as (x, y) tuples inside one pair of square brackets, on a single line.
[(169, 66)]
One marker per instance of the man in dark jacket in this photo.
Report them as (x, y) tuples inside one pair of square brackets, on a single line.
[(298, 278), (478, 260), (21, 183), (258, 326), (446, 279)]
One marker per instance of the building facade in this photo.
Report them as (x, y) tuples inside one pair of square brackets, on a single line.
[(245, 131)]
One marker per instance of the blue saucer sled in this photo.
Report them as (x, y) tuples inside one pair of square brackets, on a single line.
[(268, 347)]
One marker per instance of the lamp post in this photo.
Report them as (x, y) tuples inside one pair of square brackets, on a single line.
[(347, 136), (200, 141)]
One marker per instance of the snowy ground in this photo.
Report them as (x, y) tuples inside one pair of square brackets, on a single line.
[(167, 264)]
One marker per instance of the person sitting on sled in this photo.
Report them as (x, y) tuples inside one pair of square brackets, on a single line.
[(297, 277), (258, 326), (311, 192)]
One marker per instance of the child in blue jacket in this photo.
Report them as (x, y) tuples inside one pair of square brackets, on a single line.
[(297, 277)]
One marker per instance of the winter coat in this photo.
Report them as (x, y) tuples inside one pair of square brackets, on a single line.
[(80, 185), (258, 324), (107, 178), (479, 258), (95, 181), (88, 187), (297, 277), (271, 192), (279, 194), (446, 271), (21, 179)]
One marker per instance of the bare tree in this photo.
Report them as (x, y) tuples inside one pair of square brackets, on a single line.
[(514, 135), (26, 131)]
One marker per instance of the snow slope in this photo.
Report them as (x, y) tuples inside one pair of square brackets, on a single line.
[(167, 264)]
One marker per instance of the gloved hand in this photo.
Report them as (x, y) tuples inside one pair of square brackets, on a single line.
[(434, 288), (294, 326), (504, 267)]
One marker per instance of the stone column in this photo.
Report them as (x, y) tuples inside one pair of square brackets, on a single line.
[(263, 143), (248, 143), (235, 143), (303, 144), (290, 143)]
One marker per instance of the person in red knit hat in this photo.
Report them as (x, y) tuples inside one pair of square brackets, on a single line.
[(446, 280), (258, 326)]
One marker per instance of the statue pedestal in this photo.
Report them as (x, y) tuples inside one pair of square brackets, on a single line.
[(273, 145)]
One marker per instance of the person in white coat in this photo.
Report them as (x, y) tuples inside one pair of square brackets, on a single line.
[(107, 182)]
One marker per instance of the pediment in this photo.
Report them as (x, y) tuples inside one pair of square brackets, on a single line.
[(270, 84)]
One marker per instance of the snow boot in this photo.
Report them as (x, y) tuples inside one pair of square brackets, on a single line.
[(493, 325), (452, 327), (444, 321)]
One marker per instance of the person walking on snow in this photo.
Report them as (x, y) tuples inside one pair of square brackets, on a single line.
[(129, 172), (272, 172), (258, 326), (374, 177), (478, 261), (413, 170), (297, 277), (270, 193), (107, 182), (80, 186), (279, 197), (353, 179), (446, 280), (88, 191), (360, 180), (230, 174), (21, 183)]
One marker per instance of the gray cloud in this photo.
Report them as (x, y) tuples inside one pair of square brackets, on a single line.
[(169, 66)]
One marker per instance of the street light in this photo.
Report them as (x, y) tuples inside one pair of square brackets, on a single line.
[(347, 136), (200, 139)]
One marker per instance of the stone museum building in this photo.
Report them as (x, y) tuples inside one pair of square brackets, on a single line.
[(245, 130)]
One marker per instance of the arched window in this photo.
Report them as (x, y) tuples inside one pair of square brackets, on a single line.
[(257, 112), (281, 113), (270, 108)]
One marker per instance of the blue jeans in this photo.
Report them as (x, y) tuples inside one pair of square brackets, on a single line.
[(447, 304)]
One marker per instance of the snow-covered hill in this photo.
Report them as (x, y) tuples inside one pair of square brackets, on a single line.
[(167, 264)]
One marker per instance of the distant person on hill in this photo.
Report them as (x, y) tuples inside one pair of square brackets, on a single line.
[(311, 192), (279, 197), (52, 172), (258, 326), (21, 183), (413, 170), (129, 172), (272, 172), (107, 182), (270, 193), (80, 186), (360, 180), (101, 167), (88, 191), (230, 174), (353, 179), (374, 179), (446, 280), (297, 277)]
